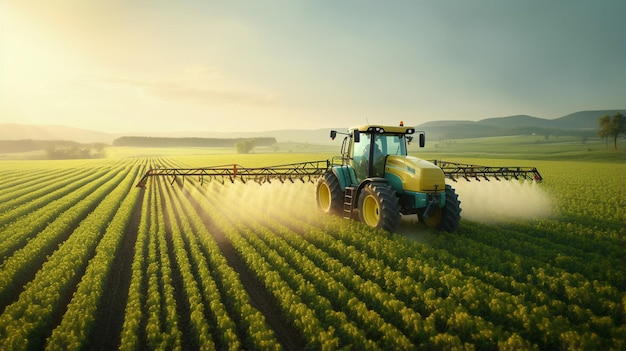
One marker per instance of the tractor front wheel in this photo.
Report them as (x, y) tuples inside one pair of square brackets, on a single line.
[(447, 218), (329, 194), (379, 207)]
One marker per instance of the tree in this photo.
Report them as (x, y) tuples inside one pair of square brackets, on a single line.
[(612, 127), (245, 146)]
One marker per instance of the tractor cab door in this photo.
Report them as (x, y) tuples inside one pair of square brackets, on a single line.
[(359, 158), (368, 158), (369, 155)]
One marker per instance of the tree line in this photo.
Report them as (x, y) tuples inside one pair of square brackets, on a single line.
[(140, 141), (55, 149)]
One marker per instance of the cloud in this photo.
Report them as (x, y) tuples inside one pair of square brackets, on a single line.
[(179, 91), (202, 85)]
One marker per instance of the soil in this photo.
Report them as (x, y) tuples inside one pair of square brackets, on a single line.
[(110, 316), (263, 301)]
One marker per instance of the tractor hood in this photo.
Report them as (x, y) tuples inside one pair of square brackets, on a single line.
[(413, 174)]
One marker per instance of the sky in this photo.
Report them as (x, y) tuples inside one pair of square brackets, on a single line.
[(160, 66)]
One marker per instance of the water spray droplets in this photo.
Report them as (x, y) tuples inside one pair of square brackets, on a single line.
[(496, 202)]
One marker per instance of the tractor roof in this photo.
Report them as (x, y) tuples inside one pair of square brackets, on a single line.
[(384, 129)]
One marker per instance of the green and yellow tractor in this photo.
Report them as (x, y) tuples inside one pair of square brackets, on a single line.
[(376, 181)]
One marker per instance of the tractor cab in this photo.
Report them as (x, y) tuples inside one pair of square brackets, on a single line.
[(367, 148)]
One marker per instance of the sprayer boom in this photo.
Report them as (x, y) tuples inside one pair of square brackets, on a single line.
[(454, 171), (304, 171)]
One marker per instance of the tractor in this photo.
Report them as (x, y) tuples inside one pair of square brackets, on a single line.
[(376, 181)]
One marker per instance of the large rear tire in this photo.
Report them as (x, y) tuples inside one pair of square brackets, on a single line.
[(329, 194), (447, 218), (379, 207)]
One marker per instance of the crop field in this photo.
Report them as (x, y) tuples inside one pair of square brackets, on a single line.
[(89, 261)]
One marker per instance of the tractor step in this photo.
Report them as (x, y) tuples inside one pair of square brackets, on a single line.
[(348, 202)]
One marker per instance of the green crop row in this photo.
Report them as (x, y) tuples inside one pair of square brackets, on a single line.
[(428, 319), (209, 288), (33, 186), (78, 321), (574, 311), (223, 284), (203, 258), (133, 315), (23, 322), (33, 215), (197, 314), (42, 230)]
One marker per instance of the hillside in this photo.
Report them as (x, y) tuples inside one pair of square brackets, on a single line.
[(583, 119), (14, 131), (582, 123)]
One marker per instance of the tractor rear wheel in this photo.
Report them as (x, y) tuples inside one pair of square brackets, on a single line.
[(379, 207), (447, 218), (329, 194)]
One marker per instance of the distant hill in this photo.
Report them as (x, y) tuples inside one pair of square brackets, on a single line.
[(583, 120), (13, 131), (514, 121), (583, 123)]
